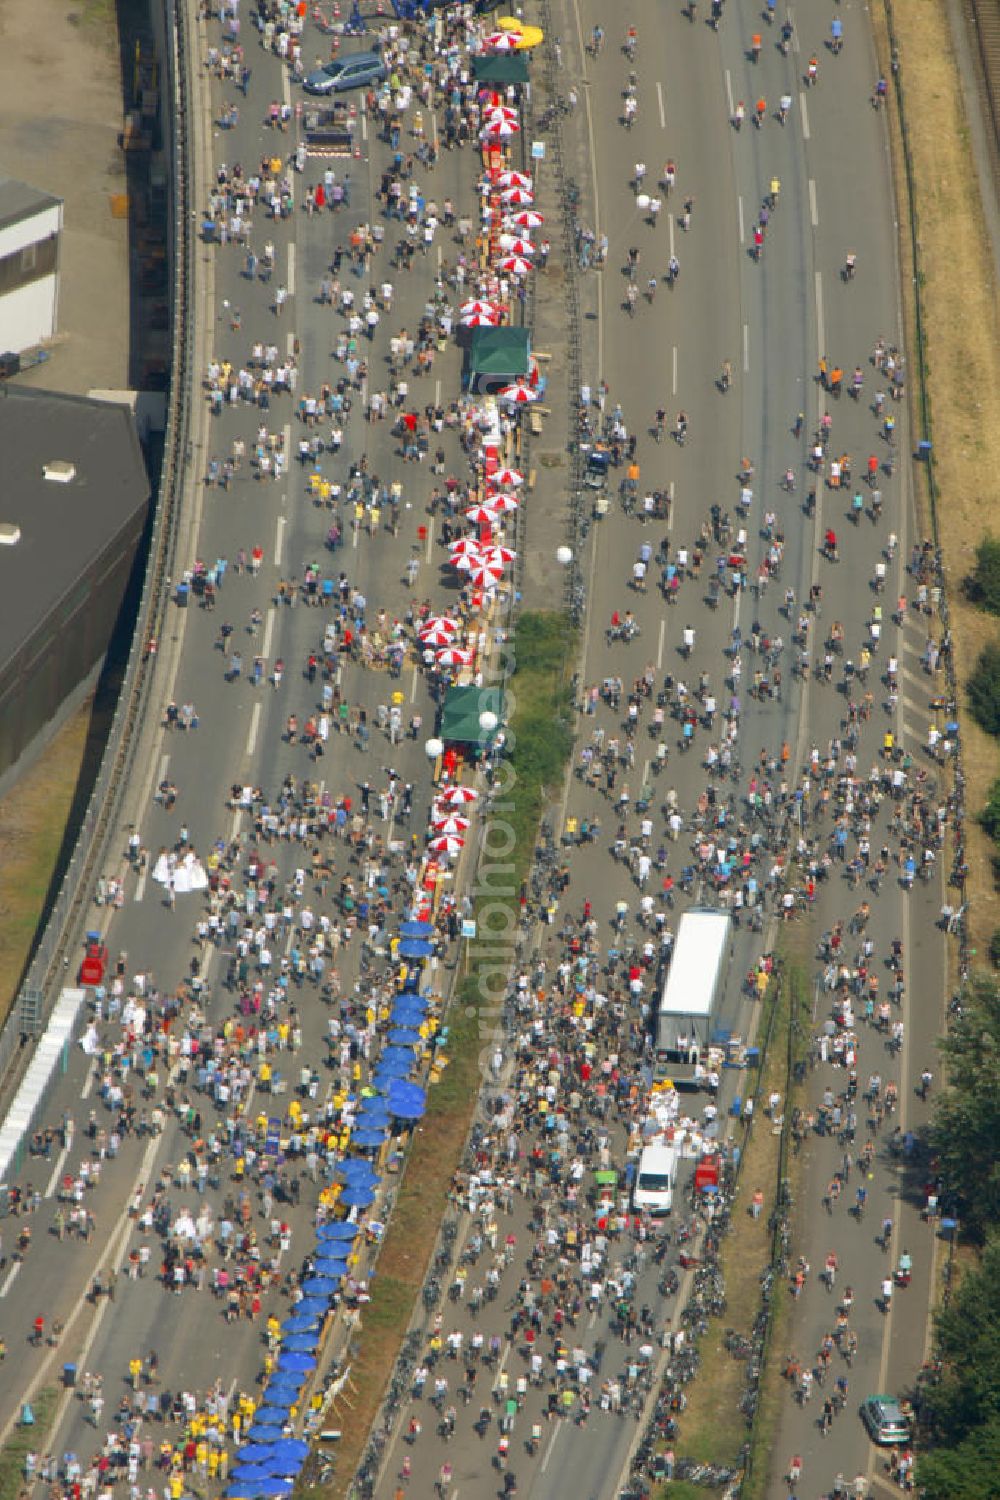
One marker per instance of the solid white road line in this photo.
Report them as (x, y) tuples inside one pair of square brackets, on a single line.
[(659, 648), (670, 223), (279, 541), (729, 92), (670, 509), (820, 328), (290, 283), (746, 348), (9, 1278), (804, 110), (57, 1171), (268, 633), (430, 538), (140, 885), (254, 728), (675, 370), (551, 1445), (659, 100), (739, 202), (813, 210)]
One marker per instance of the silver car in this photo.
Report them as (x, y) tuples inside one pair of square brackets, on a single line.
[(355, 71)]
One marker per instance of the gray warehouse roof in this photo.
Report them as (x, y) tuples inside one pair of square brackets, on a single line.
[(19, 201), (65, 523)]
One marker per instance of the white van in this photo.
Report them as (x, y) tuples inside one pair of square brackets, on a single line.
[(654, 1181)]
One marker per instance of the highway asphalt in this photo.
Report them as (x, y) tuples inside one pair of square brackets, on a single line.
[(773, 320)]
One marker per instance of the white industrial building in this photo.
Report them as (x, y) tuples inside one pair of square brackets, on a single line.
[(30, 233)]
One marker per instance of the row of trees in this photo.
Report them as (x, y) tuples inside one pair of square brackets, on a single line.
[(960, 1405)]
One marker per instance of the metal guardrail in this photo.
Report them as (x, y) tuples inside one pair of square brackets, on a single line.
[(53, 957)]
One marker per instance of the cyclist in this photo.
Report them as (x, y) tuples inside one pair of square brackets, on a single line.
[(836, 35), (860, 1201), (850, 266), (775, 193)]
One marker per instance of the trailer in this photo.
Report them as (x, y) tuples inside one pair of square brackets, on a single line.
[(693, 982)]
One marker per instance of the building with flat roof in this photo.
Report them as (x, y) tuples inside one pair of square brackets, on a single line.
[(74, 495), (30, 234)]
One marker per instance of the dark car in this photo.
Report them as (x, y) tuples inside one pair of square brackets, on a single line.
[(355, 71)]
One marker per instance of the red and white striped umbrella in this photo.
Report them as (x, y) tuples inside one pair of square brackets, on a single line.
[(447, 843), (479, 305), (528, 218), (512, 179), (484, 575), (438, 632), (453, 823), (500, 504), (519, 196), (499, 555), (501, 41), (482, 515), (456, 656), (518, 393), (500, 112), (465, 546), (480, 320), (499, 130), (454, 796), (516, 265), (508, 476), (516, 244)]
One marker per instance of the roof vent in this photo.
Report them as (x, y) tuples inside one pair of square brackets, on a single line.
[(60, 471), (10, 534)]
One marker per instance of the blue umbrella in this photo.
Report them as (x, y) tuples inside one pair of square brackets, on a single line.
[(314, 1306), (368, 1138), (339, 1229), (415, 948), (357, 1196), (273, 1485), (300, 1323), (293, 1448), (408, 1101), (415, 928), (271, 1416), (300, 1343), (250, 1473), (394, 1067), (283, 1388), (375, 1119), (405, 1036), (393, 1055), (329, 1267), (300, 1362), (410, 1002), (320, 1286), (254, 1453), (355, 1169)]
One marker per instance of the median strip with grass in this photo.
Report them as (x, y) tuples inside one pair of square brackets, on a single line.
[(540, 740)]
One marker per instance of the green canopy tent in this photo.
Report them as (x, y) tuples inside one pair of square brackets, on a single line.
[(501, 68), (495, 357), (461, 713)]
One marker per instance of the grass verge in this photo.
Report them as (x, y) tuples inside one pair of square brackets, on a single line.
[(26, 1440), (790, 1170), (961, 328), (540, 734), (713, 1429), (33, 819)]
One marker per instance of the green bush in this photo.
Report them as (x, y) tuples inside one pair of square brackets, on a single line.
[(983, 584), (984, 689), (990, 815)]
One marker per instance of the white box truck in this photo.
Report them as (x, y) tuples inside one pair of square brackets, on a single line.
[(654, 1181), (692, 986)]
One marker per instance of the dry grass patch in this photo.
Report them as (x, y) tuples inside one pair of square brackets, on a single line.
[(961, 325)]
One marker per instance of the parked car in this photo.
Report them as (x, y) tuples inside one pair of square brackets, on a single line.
[(355, 71), (885, 1419)]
